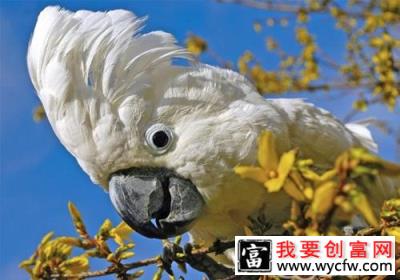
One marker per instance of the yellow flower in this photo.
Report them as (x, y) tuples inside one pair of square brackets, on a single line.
[(270, 22), (257, 26), (394, 231), (360, 105), (243, 62), (105, 228), (75, 265), (196, 44), (55, 248), (39, 113), (271, 43), (273, 170), (303, 36), (120, 233)]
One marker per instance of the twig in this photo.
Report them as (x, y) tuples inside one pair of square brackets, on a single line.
[(112, 269), (354, 112), (377, 230), (270, 6), (109, 270), (277, 6)]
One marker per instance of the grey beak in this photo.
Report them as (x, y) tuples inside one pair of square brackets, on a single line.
[(155, 202)]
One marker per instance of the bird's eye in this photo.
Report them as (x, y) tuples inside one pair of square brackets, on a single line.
[(159, 138)]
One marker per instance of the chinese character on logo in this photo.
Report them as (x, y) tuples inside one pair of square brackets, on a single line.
[(382, 248), (310, 248), (358, 249), (285, 249), (253, 261), (254, 255), (334, 249)]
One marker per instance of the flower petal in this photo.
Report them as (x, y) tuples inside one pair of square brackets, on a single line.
[(75, 265), (292, 190), (286, 162), (285, 165), (328, 175), (362, 204), (324, 198), (121, 233), (267, 153), (274, 185), (394, 231), (251, 172)]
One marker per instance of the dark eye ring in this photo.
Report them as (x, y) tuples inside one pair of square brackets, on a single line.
[(159, 138)]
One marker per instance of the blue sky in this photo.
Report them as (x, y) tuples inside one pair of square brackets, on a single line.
[(38, 177)]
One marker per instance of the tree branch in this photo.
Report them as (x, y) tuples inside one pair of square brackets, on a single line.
[(112, 269)]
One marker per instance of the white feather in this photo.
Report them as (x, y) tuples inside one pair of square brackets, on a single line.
[(364, 135)]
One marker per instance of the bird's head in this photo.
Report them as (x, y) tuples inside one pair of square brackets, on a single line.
[(160, 138)]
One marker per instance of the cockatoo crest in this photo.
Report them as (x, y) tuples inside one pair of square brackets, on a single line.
[(88, 68)]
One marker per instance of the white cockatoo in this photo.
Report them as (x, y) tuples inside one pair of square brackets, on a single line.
[(163, 137)]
